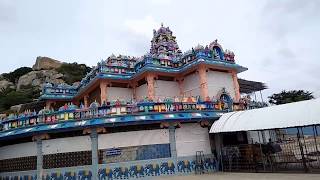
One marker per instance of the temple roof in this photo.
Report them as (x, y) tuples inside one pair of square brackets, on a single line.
[(164, 56)]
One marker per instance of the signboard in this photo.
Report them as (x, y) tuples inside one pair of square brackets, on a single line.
[(113, 152)]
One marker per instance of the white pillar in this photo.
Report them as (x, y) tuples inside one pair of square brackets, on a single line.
[(39, 159), (94, 154), (172, 140)]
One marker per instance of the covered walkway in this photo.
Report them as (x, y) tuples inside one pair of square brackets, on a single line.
[(298, 114), (273, 139)]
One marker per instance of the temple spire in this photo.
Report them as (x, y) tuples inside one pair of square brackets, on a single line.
[(163, 44)]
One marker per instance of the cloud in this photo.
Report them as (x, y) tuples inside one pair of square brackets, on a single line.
[(286, 53), (142, 27), (7, 11), (284, 17), (161, 2), (276, 40)]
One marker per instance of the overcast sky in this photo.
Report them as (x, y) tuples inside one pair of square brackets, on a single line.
[(276, 39)]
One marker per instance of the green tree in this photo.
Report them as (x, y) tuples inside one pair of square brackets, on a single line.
[(10, 97), (73, 72), (290, 96), (13, 98), (16, 74)]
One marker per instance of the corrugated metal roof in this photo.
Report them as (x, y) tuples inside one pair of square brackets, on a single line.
[(303, 113), (251, 86)]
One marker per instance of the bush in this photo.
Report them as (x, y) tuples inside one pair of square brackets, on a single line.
[(10, 97), (73, 72), (16, 74)]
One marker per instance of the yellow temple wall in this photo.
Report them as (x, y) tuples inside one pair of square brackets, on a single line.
[(217, 81), (191, 85), (141, 91), (165, 89), (114, 93)]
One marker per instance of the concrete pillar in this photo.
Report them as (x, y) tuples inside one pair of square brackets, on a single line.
[(134, 90), (48, 104), (103, 91), (236, 86), (86, 100), (94, 154), (181, 91), (39, 159), (38, 139), (150, 82), (172, 140), (203, 82)]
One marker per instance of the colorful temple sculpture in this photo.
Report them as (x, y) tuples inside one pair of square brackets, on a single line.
[(128, 118)]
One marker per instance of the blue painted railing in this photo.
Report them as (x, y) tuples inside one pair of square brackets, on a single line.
[(115, 113)]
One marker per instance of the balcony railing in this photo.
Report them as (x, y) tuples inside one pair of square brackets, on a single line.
[(71, 112)]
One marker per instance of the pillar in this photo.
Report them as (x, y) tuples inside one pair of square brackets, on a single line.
[(134, 90), (39, 159), (150, 83), (236, 86), (172, 140), (203, 82), (86, 100), (94, 153), (103, 91), (48, 104), (180, 83), (38, 139)]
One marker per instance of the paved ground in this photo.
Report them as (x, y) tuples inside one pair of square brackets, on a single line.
[(245, 176)]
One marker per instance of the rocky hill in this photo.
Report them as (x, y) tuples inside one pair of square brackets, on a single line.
[(46, 63), (24, 84)]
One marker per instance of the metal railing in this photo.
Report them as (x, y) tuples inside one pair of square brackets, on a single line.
[(289, 153)]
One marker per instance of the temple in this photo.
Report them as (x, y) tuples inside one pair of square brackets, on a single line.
[(130, 117)]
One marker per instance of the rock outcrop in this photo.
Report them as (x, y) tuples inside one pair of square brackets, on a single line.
[(6, 84), (46, 63), (38, 78)]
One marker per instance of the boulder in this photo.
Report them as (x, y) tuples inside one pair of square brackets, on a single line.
[(16, 108), (3, 115), (46, 63), (38, 78), (76, 84), (6, 84)]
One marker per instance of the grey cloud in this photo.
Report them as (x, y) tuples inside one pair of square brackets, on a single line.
[(276, 40), (286, 53), (283, 17), (7, 12)]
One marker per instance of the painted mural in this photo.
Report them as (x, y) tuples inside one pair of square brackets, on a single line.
[(130, 170)]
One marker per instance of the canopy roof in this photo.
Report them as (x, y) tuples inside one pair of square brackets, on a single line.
[(250, 86), (303, 113)]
